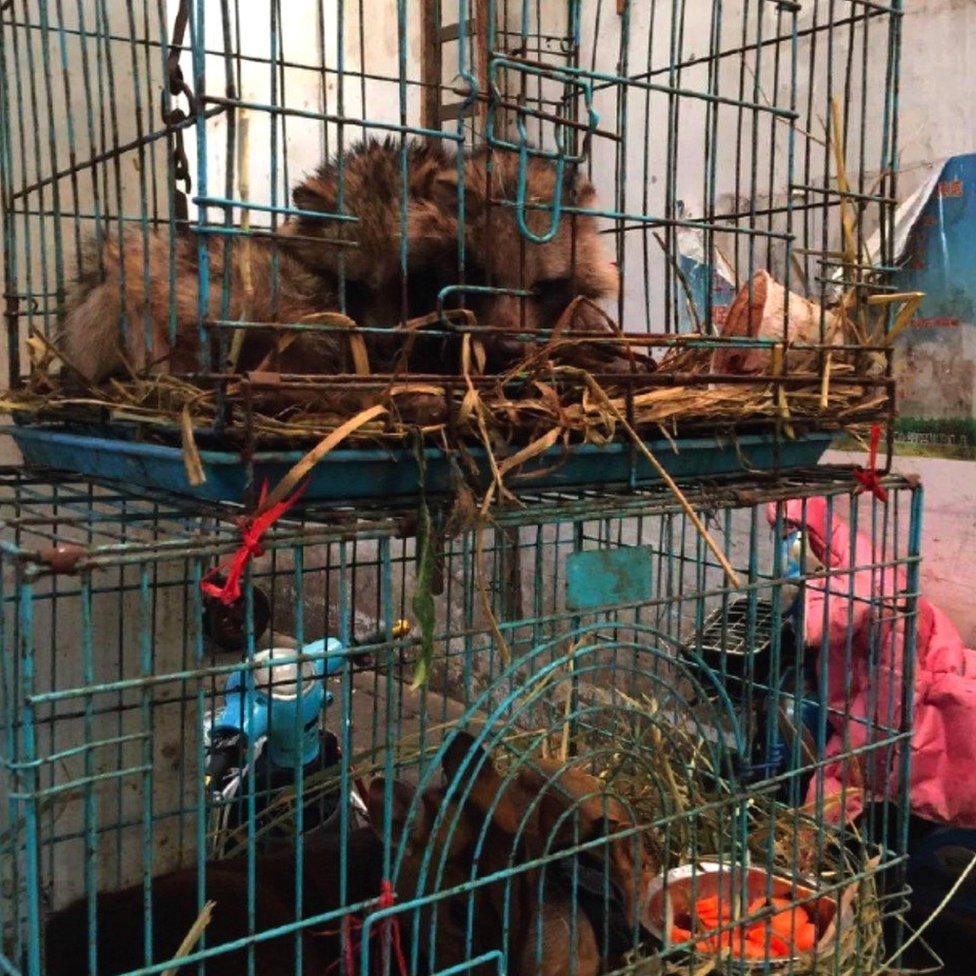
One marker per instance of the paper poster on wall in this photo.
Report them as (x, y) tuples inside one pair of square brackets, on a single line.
[(935, 365)]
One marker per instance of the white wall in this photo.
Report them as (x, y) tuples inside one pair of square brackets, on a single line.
[(938, 76), (308, 38)]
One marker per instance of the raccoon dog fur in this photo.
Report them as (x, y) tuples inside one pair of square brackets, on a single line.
[(309, 262)]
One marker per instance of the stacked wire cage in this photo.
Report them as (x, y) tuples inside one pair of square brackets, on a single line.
[(528, 672), (535, 233), (572, 678)]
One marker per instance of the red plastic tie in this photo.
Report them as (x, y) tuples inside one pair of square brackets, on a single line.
[(351, 947), (869, 478), (392, 924), (348, 925), (351, 925), (252, 529)]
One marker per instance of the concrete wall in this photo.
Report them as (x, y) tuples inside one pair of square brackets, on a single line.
[(938, 120), (938, 72)]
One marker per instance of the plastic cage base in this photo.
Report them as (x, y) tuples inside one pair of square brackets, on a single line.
[(392, 473)]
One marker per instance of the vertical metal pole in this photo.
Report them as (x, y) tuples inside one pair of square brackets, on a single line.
[(30, 776), (199, 48), (910, 616), (146, 716)]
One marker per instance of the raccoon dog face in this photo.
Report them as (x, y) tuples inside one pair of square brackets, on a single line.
[(532, 284)]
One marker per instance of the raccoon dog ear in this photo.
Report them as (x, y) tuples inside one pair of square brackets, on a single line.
[(584, 193), (313, 194), (445, 191)]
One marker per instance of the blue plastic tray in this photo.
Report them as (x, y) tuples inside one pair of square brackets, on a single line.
[(379, 473)]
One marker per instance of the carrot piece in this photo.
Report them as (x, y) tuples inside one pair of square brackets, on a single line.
[(760, 934), (806, 937), (710, 908), (774, 936), (748, 948), (786, 923)]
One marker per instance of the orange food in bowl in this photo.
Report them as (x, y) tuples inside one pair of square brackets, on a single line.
[(785, 931), (806, 937)]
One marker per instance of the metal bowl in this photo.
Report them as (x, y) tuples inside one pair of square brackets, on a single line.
[(683, 886)]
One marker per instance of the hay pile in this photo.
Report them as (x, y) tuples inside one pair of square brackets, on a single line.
[(555, 394), (799, 367)]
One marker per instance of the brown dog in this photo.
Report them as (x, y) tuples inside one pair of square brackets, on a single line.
[(551, 915), (490, 860), (120, 944)]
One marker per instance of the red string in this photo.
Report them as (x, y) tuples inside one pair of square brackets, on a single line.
[(392, 924), (869, 478), (351, 924), (252, 531), (347, 926)]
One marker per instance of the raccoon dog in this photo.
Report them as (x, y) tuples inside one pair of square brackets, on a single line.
[(311, 263)]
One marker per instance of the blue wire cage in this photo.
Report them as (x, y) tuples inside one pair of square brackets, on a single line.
[(428, 734), (189, 293), (607, 736)]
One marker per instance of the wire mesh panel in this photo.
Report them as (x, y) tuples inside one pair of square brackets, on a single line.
[(554, 741), (505, 224)]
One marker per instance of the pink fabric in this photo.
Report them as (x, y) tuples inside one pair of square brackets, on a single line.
[(855, 607)]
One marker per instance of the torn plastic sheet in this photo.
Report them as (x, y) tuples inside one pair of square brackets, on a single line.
[(700, 277)]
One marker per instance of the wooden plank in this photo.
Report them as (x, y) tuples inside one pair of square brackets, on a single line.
[(455, 110), (430, 65), (451, 32)]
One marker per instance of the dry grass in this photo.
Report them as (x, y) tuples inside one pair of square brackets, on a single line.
[(546, 399)]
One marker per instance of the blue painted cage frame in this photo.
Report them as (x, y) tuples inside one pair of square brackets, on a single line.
[(585, 636), (772, 147)]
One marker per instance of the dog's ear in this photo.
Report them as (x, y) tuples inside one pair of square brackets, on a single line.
[(584, 193), (506, 805), (317, 193), (444, 190), (401, 809), (570, 796)]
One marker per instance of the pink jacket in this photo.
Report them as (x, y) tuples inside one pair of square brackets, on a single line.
[(943, 772)]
